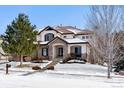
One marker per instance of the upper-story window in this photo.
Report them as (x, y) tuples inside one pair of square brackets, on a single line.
[(64, 36), (49, 37), (87, 37), (90, 37), (83, 37), (44, 51)]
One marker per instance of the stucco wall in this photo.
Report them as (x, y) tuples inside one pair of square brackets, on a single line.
[(42, 34), (52, 48), (83, 47), (80, 36), (68, 35)]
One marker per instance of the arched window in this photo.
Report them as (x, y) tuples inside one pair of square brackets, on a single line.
[(49, 37)]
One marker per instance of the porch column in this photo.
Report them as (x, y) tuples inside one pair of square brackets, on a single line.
[(53, 52), (69, 50), (83, 49), (39, 52)]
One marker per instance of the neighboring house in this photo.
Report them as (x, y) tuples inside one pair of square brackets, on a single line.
[(62, 42), (3, 56)]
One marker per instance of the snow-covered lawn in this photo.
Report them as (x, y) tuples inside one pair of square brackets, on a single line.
[(64, 75)]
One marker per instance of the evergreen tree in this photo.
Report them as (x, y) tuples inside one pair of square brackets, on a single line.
[(19, 37)]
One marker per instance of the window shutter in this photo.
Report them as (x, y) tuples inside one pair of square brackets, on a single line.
[(47, 51), (42, 51)]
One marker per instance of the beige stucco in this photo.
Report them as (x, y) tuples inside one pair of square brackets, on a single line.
[(83, 47), (54, 44), (67, 49), (42, 34), (68, 35)]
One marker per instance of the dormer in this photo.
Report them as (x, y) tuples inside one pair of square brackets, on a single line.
[(47, 34)]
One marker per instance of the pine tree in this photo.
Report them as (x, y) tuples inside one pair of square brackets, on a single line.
[(19, 37)]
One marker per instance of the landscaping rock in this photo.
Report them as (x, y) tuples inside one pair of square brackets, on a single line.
[(26, 59), (50, 68), (121, 72), (36, 68)]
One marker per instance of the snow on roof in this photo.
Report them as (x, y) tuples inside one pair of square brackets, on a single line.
[(68, 29), (85, 32), (65, 31), (45, 42), (75, 31), (74, 40)]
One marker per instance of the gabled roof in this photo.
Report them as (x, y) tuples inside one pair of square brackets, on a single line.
[(66, 40), (74, 41), (47, 28), (57, 38), (85, 32), (68, 30), (65, 31)]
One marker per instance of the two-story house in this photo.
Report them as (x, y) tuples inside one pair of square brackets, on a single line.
[(62, 41)]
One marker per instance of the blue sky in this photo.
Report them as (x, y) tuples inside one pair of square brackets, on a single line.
[(45, 15)]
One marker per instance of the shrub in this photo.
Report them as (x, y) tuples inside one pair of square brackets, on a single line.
[(36, 68), (119, 66), (121, 72), (50, 68)]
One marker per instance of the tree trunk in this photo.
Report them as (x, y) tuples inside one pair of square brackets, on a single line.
[(111, 67), (109, 70), (21, 60)]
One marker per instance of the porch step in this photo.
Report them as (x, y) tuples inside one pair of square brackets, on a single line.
[(53, 63)]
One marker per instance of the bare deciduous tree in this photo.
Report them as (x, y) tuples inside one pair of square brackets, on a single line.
[(106, 22)]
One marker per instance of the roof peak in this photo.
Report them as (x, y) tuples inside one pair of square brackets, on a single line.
[(66, 30)]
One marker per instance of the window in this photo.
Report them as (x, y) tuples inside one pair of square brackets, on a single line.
[(60, 52), (87, 37), (49, 37), (64, 36), (78, 51), (44, 51), (83, 37), (91, 37)]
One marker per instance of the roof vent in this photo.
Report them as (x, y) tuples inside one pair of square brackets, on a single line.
[(60, 25)]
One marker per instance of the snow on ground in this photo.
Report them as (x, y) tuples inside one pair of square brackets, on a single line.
[(64, 75), (87, 69)]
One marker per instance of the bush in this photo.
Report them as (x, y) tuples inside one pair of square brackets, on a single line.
[(119, 66), (36, 68), (50, 68), (67, 59), (121, 72), (71, 57), (27, 58)]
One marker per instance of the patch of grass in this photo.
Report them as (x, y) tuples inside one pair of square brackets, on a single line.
[(23, 66)]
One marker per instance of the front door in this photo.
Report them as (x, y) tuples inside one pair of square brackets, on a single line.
[(78, 51), (60, 52)]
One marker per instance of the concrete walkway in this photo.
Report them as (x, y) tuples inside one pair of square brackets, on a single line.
[(1, 63)]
